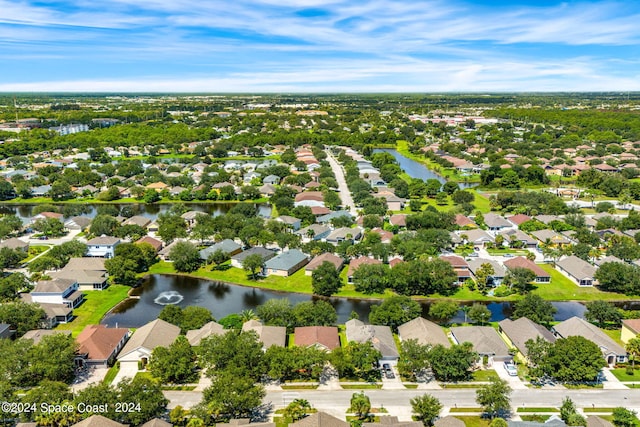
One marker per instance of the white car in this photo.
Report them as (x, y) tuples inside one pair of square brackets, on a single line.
[(511, 369)]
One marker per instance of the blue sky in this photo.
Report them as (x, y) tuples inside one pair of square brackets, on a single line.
[(319, 45)]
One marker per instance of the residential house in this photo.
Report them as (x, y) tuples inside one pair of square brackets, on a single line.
[(630, 329), (89, 273), (98, 421), (550, 237), (476, 236), (195, 336), (392, 421), (517, 332), (459, 265), (48, 215), (355, 263), (552, 421), (190, 217), (464, 221), (575, 326), (103, 246), (379, 336), (266, 254), (291, 222), (327, 217), (57, 291), (342, 234), (99, 345), (494, 279), (15, 244), (309, 198), (486, 341), (139, 220), (267, 190), (137, 352), (157, 422), (423, 331), (607, 259), (271, 180), (518, 219), (155, 243), (36, 335), (394, 203), (320, 419), (515, 235), (313, 232), (495, 222), (322, 337), (54, 314), (578, 270), (227, 246), (522, 262), (398, 220), (286, 263), (316, 262), (267, 335), (449, 421), (78, 223)]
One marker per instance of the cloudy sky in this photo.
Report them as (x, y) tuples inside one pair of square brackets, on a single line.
[(319, 45)]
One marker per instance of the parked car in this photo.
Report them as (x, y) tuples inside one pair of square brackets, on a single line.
[(511, 369), (508, 255)]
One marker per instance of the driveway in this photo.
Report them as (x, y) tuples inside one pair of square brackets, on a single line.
[(514, 382), (394, 383), (90, 376), (610, 382), (127, 370)]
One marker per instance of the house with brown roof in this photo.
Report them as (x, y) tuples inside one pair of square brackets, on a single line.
[(423, 331), (267, 335), (155, 243), (630, 329), (355, 263), (320, 419), (518, 219), (399, 220), (316, 262), (99, 345), (322, 337), (459, 265), (522, 262), (158, 186), (309, 198), (463, 221), (157, 333)]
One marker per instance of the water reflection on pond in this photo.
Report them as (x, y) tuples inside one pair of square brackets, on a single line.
[(224, 299)]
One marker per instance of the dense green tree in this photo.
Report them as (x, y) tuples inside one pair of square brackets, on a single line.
[(218, 258), (414, 358), (371, 278), (535, 308), (53, 358), (623, 417), (232, 396), (520, 279), (394, 311), (21, 316), (297, 409), (174, 364), (494, 397), (573, 359), (443, 310), (360, 405), (618, 277), (325, 280), (276, 312), (602, 312), (95, 395), (104, 225), (185, 256), (122, 270), (10, 258), (479, 313), (171, 226), (147, 396), (11, 285), (235, 351), (46, 393), (452, 364), (314, 313), (427, 408), (253, 264), (356, 360)]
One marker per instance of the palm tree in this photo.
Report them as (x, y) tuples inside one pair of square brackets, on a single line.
[(633, 348), (247, 315)]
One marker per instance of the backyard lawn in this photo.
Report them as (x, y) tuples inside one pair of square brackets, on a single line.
[(563, 289), (96, 304)]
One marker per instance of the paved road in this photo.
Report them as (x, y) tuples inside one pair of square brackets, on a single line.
[(345, 194), (338, 400)]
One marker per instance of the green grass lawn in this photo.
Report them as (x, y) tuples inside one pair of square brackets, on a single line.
[(96, 304), (475, 421), (507, 251), (621, 374), (535, 418), (485, 375), (471, 409), (34, 251), (614, 334), (361, 386), (111, 373), (537, 410), (598, 409), (481, 202), (563, 289)]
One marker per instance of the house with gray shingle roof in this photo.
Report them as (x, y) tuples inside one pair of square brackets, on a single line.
[(313, 232), (265, 253), (227, 246), (423, 331), (286, 263), (517, 332), (496, 222), (157, 333), (485, 340), (575, 326), (498, 270), (103, 246), (379, 336), (578, 270), (267, 335)]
